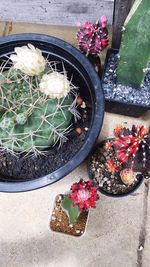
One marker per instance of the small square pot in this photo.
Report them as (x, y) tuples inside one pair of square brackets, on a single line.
[(60, 221)]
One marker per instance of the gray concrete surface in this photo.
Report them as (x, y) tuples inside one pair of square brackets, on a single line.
[(111, 238), (54, 12), (144, 257)]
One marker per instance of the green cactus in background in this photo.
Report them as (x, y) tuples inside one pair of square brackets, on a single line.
[(135, 47), (31, 120)]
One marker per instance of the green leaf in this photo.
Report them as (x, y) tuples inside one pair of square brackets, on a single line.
[(72, 211)]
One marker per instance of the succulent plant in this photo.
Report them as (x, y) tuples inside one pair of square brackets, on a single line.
[(133, 147), (92, 38), (36, 104), (134, 53), (83, 196)]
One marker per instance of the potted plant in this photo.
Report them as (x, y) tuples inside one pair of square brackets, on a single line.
[(119, 164), (126, 77), (71, 210), (92, 39), (44, 81)]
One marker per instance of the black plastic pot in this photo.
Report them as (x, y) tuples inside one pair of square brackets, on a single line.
[(141, 178), (120, 107), (88, 81)]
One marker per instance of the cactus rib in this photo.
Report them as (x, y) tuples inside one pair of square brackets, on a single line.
[(31, 121), (135, 46)]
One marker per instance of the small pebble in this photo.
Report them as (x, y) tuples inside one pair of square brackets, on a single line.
[(79, 101), (121, 92), (101, 184), (83, 105), (60, 198), (140, 248), (78, 130)]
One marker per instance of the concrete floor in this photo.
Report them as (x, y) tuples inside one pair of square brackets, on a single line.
[(118, 230)]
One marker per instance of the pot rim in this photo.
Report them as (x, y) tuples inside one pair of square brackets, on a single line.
[(96, 121)]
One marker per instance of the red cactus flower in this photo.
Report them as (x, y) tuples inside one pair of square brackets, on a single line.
[(109, 145), (127, 144), (93, 38), (84, 194), (118, 130), (111, 166)]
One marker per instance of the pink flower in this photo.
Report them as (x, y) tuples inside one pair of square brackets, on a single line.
[(111, 166), (103, 20), (84, 194), (118, 130), (109, 145)]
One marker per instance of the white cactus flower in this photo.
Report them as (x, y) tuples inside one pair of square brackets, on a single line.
[(29, 60), (55, 85)]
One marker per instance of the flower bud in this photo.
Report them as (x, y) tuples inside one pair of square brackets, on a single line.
[(55, 85), (29, 60)]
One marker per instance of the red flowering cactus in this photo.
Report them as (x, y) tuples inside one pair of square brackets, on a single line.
[(133, 146), (82, 197), (112, 166), (118, 130), (84, 194), (109, 145), (93, 38)]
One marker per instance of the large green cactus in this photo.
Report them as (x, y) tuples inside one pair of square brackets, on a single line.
[(135, 47), (30, 121)]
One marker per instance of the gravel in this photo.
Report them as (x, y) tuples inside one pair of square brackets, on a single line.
[(124, 93)]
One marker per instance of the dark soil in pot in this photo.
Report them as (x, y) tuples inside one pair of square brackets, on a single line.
[(120, 98), (106, 172), (60, 222), (22, 168)]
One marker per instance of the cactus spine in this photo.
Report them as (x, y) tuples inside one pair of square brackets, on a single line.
[(135, 46), (31, 120)]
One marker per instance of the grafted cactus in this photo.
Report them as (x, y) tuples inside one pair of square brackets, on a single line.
[(35, 110), (93, 38), (135, 46), (133, 147)]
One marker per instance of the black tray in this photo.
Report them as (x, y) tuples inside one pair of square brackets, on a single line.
[(120, 107)]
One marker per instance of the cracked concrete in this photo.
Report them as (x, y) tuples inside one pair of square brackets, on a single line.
[(145, 262), (143, 231), (118, 230)]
